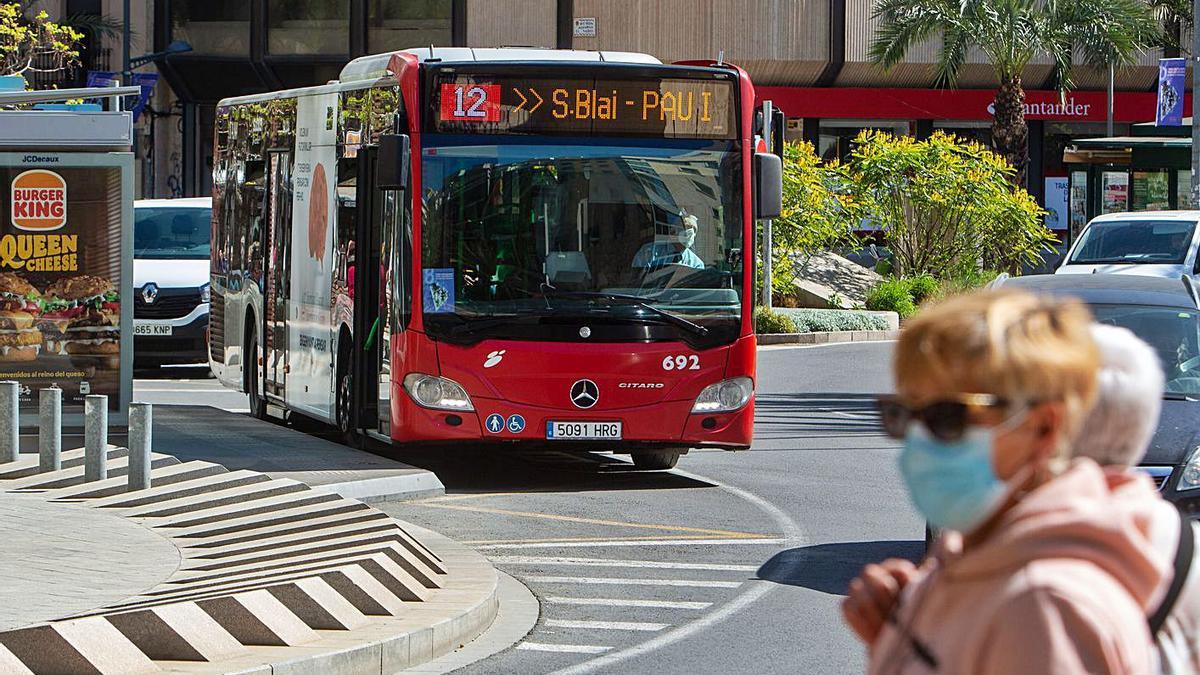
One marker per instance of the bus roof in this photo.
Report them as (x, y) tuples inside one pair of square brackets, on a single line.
[(374, 66), (368, 69)]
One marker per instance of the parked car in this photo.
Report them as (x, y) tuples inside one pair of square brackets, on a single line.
[(170, 281), (1150, 243), (1163, 312)]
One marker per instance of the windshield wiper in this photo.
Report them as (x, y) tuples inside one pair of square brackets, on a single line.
[(1178, 396), (632, 301), (469, 326)]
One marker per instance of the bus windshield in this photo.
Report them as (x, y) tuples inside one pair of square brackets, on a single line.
[(520, 234)]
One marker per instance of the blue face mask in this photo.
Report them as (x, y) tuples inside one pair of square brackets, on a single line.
[(953, 483)]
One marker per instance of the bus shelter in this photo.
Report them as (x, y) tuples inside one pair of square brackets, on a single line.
[(66, 256)]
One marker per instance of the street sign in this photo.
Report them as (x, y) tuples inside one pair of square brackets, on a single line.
[(585, 26)]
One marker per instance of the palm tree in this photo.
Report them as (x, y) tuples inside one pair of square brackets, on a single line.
[(1011, 34)]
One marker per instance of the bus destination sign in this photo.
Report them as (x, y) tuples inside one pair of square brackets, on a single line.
[(664, 107)]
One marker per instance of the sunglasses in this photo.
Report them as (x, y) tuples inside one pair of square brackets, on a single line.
[(947, 419)]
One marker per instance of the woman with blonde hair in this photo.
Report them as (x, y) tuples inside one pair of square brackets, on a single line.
[(1042, 569)]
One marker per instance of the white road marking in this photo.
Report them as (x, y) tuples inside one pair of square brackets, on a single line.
[(638, 542), (565, 649), (790, 530), (610, 581), (607, 625), (605, 562), (620, 602)]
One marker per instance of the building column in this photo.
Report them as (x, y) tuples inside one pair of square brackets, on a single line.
[(923, 129), (1036, 171), (565, 27), (810, 132)]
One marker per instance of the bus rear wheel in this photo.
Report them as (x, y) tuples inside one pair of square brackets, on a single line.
[(258, 405), (345, 405), (656, 460)]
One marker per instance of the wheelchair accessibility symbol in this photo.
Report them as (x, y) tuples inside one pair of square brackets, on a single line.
[(516, 424), (494, 423)]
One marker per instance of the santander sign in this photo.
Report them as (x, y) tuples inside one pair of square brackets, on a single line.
[(1056, 109)]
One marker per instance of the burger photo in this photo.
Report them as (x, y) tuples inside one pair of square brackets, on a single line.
[(20, 305), (81, 317)]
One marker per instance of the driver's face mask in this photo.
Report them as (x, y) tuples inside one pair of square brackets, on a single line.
[(687, 237)]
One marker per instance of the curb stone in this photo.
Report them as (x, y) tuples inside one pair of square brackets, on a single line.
[(827, 337)]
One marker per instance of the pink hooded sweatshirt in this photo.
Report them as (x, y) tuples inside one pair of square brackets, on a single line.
[(1062, 585)]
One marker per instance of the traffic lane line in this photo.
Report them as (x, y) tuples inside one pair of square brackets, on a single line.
[(607, 625), (601, 542), (623, 581), (564, 649), (590, 521), (620, 602), (611, 562)]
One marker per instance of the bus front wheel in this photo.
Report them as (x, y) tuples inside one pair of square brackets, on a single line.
[(656, 460)]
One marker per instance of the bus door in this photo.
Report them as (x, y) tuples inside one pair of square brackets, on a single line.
[(369, 345), (278, 275)]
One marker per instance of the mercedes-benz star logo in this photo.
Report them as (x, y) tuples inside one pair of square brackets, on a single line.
[(149, 293), (585, 394)]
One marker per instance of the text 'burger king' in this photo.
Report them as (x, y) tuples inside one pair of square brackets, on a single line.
[(39, 201)]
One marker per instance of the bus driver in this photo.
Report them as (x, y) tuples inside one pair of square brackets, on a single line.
[(676, 250)]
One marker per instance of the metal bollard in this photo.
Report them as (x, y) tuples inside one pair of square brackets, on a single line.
[(141, 421), (10, 421), (50, 430), (95, 438)]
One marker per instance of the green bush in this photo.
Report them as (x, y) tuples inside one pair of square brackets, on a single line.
[(820, 321), (922, 288), (767, 321), (892, 295)]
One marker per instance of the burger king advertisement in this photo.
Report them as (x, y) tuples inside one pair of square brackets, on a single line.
[(62, 246)]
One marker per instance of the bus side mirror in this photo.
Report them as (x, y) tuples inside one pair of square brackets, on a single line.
[(391, 168), (768, 186)]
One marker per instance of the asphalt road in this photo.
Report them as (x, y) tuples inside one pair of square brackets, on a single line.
[(734, 562)]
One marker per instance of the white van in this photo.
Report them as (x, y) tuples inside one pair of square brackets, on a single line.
[(1149, 243), (170, 281)]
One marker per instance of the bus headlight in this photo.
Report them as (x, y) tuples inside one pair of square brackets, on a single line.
[(1189, 479), (724, 396), (439, 393), (206, 293)]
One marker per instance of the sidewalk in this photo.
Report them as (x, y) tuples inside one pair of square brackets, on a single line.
[(238, 441), (214, 570)]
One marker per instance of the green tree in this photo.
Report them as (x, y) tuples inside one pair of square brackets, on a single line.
[(33, 43), (819, 212), (946, 207), (1011, 34)]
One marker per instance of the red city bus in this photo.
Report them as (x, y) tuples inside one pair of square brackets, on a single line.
[(496, 245)]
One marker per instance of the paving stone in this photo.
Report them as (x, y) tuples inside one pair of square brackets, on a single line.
[(177, 632), (250, 508), (79, 646), (10, 664), (318, 605), (164, 472), (258, 618), (216, 499), (248, 526)]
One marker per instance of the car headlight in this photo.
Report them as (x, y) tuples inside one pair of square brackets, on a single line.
[(1189, 478), (724, 396), (206, 293), (439, 393)]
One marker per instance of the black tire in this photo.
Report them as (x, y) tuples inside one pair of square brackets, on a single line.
[(344, 404), (258, 404), (656, 460)]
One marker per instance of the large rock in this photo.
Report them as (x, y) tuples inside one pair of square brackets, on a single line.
[(824, 275)]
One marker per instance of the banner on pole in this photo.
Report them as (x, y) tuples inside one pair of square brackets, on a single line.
[(1171, 75)]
